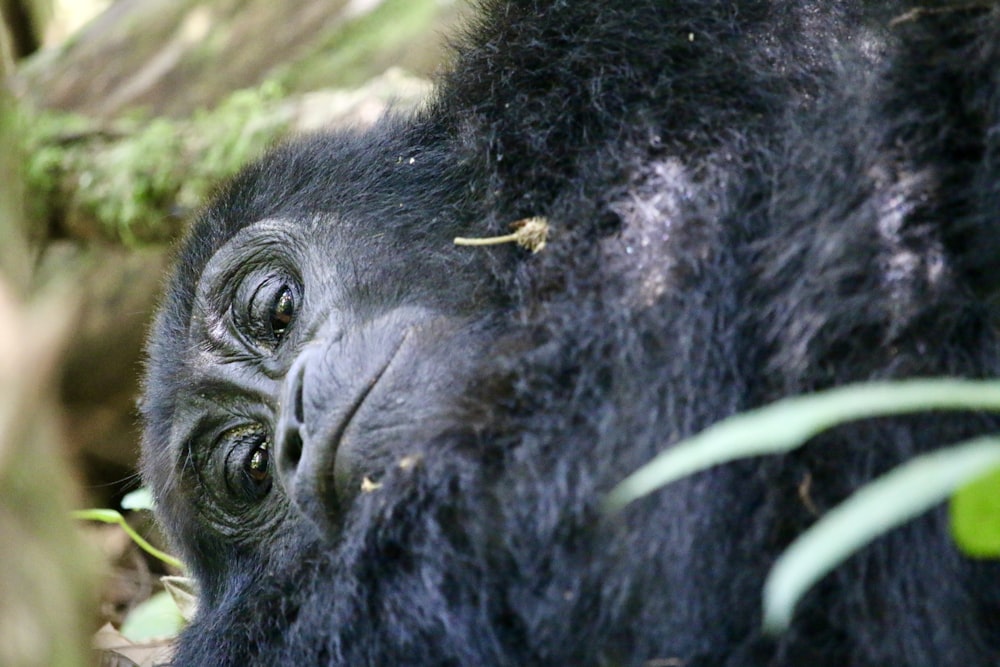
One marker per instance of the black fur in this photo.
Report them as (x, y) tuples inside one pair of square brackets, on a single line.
[(747, 200)]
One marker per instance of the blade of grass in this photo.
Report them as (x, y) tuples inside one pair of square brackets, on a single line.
[(891, 500), (112, 516), (788, 423)]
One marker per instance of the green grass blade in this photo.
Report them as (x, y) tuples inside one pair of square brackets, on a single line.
[(891, 500), (788, 423), (112, 516)]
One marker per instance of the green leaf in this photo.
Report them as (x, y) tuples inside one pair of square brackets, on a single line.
[(891, 500), (975, 517), (788, 423), (157, 617)]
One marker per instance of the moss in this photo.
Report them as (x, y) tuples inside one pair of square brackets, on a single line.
[(136, 180)]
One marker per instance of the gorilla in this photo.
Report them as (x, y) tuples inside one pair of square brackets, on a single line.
[(375, 447)]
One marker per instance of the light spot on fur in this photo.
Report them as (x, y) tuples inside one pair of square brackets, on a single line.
[(660, 222), (914, 260)]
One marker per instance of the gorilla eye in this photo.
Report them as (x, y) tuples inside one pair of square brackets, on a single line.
[(282, 311), (260, 460), (271, 309), (248, 462)]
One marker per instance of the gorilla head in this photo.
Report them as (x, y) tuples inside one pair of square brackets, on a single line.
[(310, 334), (376, 448)]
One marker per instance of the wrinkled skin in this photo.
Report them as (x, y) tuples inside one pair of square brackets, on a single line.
[(375, 447)]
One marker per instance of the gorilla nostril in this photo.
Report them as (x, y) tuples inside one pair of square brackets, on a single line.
[(297, 410), (289, 448), (291, 422), (292, 450)]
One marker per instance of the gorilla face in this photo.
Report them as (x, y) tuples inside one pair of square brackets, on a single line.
[(323, 359), (311, 353)]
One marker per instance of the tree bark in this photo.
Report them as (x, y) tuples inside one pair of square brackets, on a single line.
[(173, 57)]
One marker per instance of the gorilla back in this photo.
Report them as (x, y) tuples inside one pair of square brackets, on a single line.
[(374, 447)]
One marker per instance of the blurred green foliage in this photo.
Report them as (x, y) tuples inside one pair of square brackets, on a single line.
[(135, 180), (975, 516)]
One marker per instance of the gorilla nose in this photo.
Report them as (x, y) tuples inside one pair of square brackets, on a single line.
[(301, 466), (291, 421), (335, 412)]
